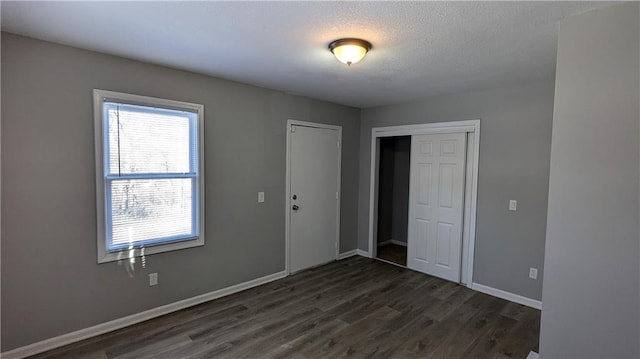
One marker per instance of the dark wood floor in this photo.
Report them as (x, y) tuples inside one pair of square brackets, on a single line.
[(355, 308), (393, 253)]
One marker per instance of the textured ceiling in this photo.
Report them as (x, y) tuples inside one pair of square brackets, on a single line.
[(420, 49)]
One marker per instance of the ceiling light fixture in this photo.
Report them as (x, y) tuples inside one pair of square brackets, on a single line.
[(349, 50)]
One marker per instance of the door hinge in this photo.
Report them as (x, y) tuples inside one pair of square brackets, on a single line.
[(338, 144), (293, 128), (336, 195)]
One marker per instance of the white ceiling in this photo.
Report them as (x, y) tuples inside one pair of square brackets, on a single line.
[(420, 49)]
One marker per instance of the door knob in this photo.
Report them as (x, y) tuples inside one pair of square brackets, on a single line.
[(295, 207)]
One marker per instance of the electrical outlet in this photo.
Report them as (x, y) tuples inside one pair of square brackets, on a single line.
[(153, 279), (533, 273), (513, 205), (260, 197)]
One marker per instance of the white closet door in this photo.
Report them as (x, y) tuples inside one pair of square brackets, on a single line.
[(436, 203)]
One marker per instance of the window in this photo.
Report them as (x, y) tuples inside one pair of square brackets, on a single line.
[(149, 173)]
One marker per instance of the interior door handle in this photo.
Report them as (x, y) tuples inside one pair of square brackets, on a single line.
[(295, 207)]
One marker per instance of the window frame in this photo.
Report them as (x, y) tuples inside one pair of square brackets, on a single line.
[(102, 181)]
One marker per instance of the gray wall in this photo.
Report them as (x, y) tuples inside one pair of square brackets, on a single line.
[(393, 188), (385, 189), (514, 164), (401, 172), (591, 304), (51, 283)]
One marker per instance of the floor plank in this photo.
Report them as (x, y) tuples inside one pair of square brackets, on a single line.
[(354, 308)]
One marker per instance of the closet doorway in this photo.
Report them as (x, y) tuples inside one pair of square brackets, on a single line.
[(393, 199), (423, 195)]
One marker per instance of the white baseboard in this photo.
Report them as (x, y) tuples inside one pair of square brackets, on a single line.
[(347, 254), (535, 304), (392, 241), (362, 253), (99, 329)]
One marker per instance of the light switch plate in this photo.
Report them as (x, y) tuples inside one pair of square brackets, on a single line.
[(533, 273), (153, 279), (513, 205), (260, 197)]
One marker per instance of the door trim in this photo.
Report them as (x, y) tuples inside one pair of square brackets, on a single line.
[(287, 231), (471, 191)]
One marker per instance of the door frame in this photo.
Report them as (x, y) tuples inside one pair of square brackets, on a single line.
[(472, 129), (287, 216)]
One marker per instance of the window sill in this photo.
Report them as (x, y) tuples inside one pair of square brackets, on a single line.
[(126, 254)]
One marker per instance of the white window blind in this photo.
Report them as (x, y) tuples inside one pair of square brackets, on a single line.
[(150, 173)]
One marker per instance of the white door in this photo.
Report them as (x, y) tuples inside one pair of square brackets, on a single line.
[(314, 168), (436, 201)]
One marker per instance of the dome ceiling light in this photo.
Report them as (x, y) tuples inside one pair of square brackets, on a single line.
[(349, 50)]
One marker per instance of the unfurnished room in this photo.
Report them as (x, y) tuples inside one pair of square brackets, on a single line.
[(309, 179)]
